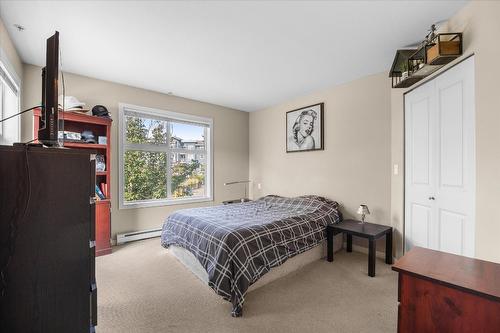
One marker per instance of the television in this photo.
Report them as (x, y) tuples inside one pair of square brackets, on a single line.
[(49, 125)]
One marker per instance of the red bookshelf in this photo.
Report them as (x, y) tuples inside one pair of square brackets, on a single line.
[(84, 145), (76, 122)]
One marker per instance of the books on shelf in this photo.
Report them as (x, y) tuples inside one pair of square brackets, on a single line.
[(104, 189), (99, 193)]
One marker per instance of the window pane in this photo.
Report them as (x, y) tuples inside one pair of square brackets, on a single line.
[(145, 175), (145, 130), (187, 136), (188, 175), (10, 132)]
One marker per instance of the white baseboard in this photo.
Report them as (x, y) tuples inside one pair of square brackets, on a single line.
[(137, 235)]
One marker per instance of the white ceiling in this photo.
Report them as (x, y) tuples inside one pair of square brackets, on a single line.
[(245, 55)]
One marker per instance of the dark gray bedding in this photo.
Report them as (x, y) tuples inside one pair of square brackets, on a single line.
[(239, 243)]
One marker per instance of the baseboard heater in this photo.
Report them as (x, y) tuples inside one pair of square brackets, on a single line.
[(137, 235)]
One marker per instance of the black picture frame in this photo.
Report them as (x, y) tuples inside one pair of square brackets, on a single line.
[(292, 121)]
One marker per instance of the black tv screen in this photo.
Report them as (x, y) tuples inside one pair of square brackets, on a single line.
[(48, 127)]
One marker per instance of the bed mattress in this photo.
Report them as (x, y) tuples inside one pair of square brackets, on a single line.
[(291, 265), (239, 243)]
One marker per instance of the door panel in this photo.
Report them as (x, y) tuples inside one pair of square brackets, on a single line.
[(420, 229), (452, 136), (440, 162), (451, 232), (420, 142)]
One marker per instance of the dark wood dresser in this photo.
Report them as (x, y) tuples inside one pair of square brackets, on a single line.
[(442, 292), (47, 240)]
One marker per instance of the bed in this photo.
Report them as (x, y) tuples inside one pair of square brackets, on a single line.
[(232, 246)]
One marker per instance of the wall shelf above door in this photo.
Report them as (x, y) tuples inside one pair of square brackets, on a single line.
[(412, 65)]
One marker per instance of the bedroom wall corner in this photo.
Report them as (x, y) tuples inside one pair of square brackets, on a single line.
[(353, 169)]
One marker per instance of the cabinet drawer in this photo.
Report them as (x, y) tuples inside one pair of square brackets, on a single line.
[(93, 304), (92, 261), (429, 306), (92, 176), (92, 220)]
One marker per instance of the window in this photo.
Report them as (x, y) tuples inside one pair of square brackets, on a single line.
[(9, 105), (165, 157)]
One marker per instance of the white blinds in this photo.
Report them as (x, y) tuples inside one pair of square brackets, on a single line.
[(9, 105)]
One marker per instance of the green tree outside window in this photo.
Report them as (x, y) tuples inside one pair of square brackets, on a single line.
[(145, 172)]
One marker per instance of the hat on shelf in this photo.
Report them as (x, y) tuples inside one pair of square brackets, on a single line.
[(88, 136), (100, 111), (71, 103)]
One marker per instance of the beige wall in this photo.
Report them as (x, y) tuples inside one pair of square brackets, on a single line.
[(230, 138), (9, 51), (480, 24), (354, 168), (363, 138)]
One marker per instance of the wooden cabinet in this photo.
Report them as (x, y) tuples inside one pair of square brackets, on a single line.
[(46, 240), (99, 126), (103, 224), (441, 292)]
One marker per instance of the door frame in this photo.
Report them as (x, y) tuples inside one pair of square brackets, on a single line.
[(431, 77)]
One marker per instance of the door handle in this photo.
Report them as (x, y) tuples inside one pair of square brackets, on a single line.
[(432, 198)]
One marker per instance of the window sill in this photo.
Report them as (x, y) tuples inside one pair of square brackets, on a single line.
[(163, 202)]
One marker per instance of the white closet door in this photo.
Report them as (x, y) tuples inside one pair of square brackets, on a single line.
[(440, 163), (455, 192), (419, 167)]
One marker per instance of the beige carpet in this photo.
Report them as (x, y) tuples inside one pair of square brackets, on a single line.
[(142, 288)]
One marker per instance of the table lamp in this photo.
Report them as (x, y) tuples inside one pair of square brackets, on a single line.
[(363, 210)]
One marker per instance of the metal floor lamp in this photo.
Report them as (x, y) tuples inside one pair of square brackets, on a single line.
[(244, 198)]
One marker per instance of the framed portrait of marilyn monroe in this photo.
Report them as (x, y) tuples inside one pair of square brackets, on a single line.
[(304, 129)]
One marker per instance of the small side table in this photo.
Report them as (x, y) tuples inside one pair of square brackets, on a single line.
[(367, 230)]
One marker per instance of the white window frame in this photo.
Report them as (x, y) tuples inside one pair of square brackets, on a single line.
[(16, 83), (167, 116)]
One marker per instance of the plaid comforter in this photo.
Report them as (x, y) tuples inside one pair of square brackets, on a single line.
[(239, 243)]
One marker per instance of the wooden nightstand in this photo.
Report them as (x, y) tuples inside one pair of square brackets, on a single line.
[(367, 230)]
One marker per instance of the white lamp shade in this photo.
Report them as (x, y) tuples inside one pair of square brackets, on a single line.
[(363, 210)]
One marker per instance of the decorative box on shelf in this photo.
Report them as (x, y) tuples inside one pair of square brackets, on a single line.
[(444, 48)]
